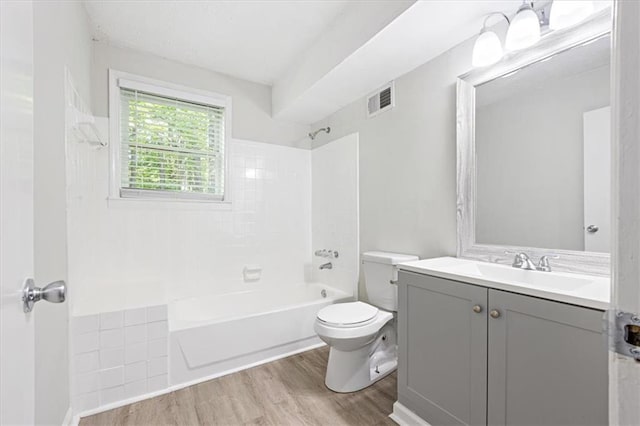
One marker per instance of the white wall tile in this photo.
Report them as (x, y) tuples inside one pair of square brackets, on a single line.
[(135, 372), (85, 362), (135, 352), (157, 313), (85, 401), (84, 324), (86, 382), (107, 396), (157, 383), (112, 357), (111, 377), (157, 366), (334, 215), (86, 342), (111, 338), (135, 316), (270, 208), (135, 334), (111, 320), (134, 389), (157, 330), (157, 348)]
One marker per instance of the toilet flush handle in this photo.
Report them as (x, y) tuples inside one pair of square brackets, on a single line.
[(395, 273)]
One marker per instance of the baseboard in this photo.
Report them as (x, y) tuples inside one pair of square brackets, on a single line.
[(68, 417), (405, 417), (118, 404)]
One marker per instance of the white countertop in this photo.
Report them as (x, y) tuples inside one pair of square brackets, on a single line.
[(582, 290)]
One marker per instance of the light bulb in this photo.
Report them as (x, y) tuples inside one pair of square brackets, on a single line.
[(565, 13), (487, 50), (524, 30)]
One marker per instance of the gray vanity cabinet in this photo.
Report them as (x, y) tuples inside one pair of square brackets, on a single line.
[(547, 363), (442, 366), (469, 355)]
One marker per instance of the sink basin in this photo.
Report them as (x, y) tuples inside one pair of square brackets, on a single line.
[(549, 280), (582, 290)]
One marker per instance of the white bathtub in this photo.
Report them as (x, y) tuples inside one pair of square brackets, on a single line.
[(213, 335)]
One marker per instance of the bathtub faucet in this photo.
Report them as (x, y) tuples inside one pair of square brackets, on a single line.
[(327, 265)]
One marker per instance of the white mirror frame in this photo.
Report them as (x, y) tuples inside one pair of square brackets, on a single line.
[(467, 247)]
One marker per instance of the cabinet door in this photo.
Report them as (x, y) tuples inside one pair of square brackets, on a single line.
[(442, 372), (547, 363)]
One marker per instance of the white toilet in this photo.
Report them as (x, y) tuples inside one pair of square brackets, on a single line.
[(362, 337)]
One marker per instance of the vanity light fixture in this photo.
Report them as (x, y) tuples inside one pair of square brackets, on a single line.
[(524, 30), (565, 13), (487, 49), (526, 27)]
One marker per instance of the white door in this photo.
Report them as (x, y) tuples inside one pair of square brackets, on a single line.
[(624, 372), (16, 211), (597, 180)]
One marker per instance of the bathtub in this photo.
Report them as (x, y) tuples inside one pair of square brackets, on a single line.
[(214, 335)]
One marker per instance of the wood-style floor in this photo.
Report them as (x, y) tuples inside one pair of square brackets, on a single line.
[(289, 391)]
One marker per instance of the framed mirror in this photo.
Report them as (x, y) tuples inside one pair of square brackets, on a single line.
[(533, 161)]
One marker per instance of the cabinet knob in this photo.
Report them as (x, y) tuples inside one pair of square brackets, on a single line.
[(494, 313), (477, 309)]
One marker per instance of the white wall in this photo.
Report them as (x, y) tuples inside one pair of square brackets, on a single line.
[(61, 38), (408, 160), (334, 214), (127, 253), (529, 148), (251, 101)]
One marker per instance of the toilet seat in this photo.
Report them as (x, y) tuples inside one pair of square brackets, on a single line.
[(353, 331), (354, 314)]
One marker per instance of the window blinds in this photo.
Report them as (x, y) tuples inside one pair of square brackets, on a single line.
[(171, 147)]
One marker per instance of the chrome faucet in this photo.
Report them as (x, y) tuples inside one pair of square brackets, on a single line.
[(327, 265), (543, 263), (522, 261)]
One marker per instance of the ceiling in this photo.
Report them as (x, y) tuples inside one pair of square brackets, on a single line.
[(252, 40), (318, 55), (420, 33)]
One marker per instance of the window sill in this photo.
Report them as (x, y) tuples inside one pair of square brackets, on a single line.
[(167, 204)]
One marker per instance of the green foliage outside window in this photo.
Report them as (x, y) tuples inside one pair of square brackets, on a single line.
[(172, 145)]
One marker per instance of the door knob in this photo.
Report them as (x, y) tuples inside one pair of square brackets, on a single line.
[(55, 292), (477, 309), (494, 313), (592, 229)]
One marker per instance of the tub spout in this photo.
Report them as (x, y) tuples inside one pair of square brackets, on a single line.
[(327, 265)]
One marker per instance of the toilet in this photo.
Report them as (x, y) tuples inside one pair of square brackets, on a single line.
[(362, 336)]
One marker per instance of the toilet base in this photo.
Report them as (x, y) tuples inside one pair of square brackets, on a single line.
[(355, 370)]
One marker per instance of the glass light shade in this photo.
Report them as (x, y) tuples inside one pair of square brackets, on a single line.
[(524, 30), (487, 50), (565, 13)]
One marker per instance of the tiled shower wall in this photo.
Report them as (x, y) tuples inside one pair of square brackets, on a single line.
[(118, 355), (335, 211), (123, 251)]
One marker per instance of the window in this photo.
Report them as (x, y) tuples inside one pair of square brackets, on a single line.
[(172, 143)]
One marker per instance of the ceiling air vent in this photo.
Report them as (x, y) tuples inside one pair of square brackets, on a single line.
[(382, 100)]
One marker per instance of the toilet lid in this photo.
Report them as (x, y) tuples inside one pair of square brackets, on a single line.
[(347, 313)]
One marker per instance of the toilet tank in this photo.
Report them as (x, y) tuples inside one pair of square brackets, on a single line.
[(380, 268)]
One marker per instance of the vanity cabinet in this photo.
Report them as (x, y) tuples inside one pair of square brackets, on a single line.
[(471, 355)]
